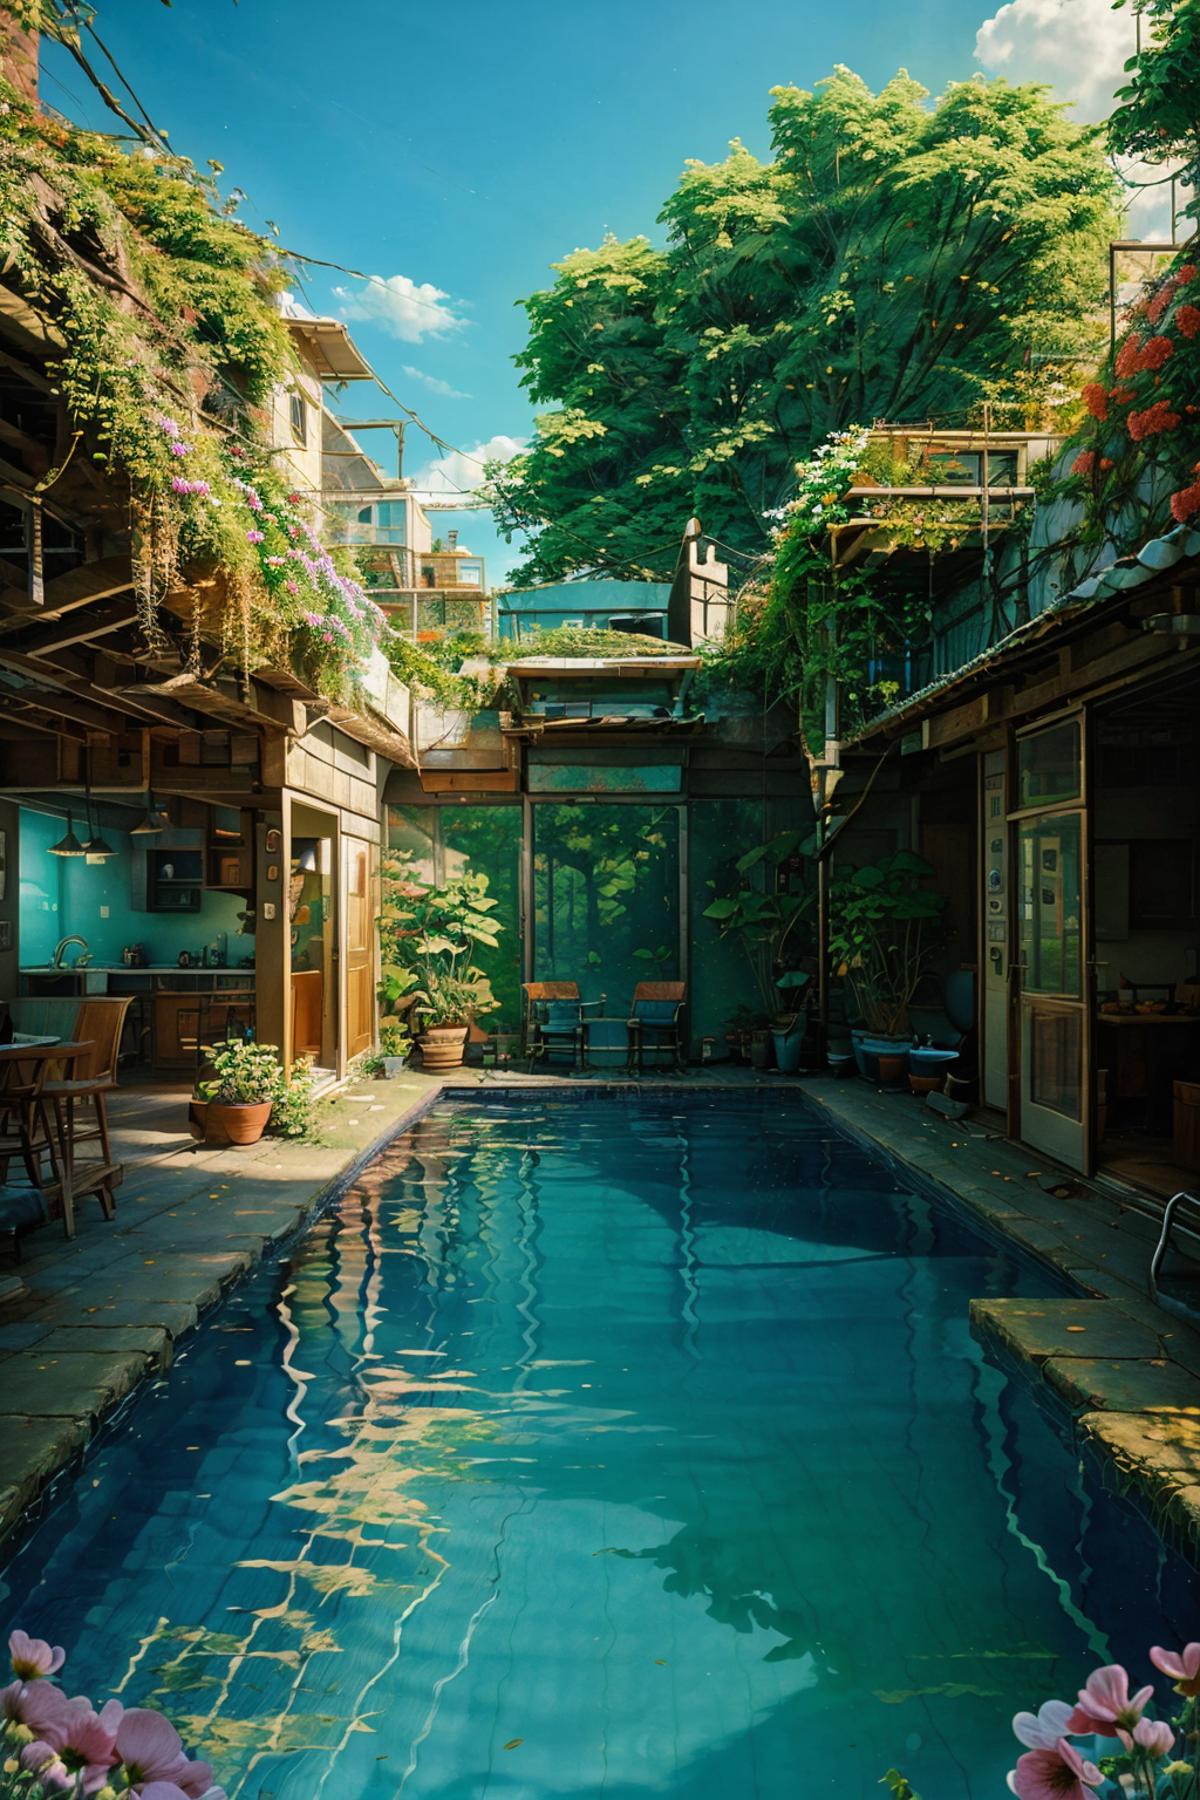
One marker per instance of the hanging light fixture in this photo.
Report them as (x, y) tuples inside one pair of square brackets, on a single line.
[(69, 844), (153, 819), (96, 845)]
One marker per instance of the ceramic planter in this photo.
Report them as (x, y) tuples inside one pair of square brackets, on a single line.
[(789, 1047), (240, 1124), (870, 1047), (442, 1046), (391, 1066)]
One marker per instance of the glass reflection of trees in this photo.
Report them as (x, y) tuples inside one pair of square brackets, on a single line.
[(606, 894)]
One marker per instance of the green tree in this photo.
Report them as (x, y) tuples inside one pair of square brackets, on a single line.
[(894, 258), (1159, 113)]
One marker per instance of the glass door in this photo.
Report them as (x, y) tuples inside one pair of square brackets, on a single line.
[(1052, 937)]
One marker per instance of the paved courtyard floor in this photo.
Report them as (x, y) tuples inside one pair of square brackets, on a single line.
[(102, 1312)]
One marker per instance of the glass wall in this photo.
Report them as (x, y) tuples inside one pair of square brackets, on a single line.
[(606, 897), (446, 842), (720, 831)]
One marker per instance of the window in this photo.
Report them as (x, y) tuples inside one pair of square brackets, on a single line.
[(576, 623), (298, 408), (391, 521), (1048, 766), (470, 572), (638, 624)]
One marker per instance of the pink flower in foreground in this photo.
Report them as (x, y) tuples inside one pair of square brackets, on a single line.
[(1153, 1735), (178, 448), (151, 1750), (1106, 1703), (37, 1705), (1042, 1730), (254, 537), (1058, 1774), (1183, 1666), (167, 1790), (32, 1657), (78, 1748)]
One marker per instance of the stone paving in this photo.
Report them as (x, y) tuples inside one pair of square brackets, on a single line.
[(104, 1311)]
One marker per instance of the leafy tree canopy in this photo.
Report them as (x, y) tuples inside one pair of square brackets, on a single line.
[(895, 258), (1159, 113)]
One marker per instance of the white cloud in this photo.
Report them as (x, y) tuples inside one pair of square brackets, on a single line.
[(461, 471), (1079, 48), (435, 384), (410, 310)]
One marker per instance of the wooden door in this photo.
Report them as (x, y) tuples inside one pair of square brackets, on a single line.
[(360, 962)]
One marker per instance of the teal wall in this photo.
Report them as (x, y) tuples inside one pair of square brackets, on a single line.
[(63, 896)]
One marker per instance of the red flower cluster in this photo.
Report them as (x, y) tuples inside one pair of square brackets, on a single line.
[(1095, 398), (1133, 357), (1188, 321), (1149, 423), (1084, 463), (1185, 502), (1122, 396), (1156, 307)]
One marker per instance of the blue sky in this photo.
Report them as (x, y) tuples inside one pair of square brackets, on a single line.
[(457, 150)]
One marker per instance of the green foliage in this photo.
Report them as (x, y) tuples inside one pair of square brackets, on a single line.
[(243, 1074), (898, 1786), (567, 641), (893, 258), (761, 920), (884, 935), (428, 937), (172, 341), (292, 1112), (1159, 113)]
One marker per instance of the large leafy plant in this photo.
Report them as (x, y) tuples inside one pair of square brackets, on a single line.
[(243, 1074), (760, 921), (885, 932), (429, 936)]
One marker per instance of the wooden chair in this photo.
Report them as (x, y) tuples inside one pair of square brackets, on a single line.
[(98, 1027), (655, 1022), (42, 1112)]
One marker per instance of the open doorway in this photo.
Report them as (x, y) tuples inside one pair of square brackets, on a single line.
[(313, 934), (1146, 1029)]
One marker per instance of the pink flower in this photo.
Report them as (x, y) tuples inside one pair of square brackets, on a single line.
[(151, 1750), (291, 587), (255, 537), (1153, 1735), (1042, 1730), (178, 448), (32, 1657), (1105, 1703), (1057, 1774), (78, 1746), (36, 1705), (168, 426), (1183, 1666)]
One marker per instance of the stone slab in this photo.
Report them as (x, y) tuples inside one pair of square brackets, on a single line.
[(1128, 1385), (153, 1342), (1032, 1331), (32, 1452), (82, 1308), (72, 1384)]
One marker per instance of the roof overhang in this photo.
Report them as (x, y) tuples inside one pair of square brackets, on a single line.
[(625, 668), (331, 350)]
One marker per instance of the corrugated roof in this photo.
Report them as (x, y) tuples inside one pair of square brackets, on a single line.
[(1155, 558)]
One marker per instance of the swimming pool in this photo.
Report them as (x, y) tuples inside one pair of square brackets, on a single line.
[(599, 1447)]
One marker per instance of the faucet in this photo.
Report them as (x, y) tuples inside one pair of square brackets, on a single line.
[(60, 950)]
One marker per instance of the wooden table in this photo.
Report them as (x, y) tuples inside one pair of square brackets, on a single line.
[(44, 1113)]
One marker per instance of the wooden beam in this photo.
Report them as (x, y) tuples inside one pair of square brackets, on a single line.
[(91, 581), (60, 706), (81, 629)]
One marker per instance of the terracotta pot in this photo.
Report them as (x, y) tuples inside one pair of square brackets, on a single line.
[(240, 1124), (891, 1069), (925, 1084), (442, 1046)]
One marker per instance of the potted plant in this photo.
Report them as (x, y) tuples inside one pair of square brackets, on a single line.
[(885, 932), (391, 1059), (430, 935), (233, 1102), (761, 923)]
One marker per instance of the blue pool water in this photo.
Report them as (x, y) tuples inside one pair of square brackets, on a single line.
[(599, 1448)]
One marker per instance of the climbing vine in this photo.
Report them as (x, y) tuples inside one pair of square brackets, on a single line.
[(170, 343)]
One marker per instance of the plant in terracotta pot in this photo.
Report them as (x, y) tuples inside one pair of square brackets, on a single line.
[(430, 935), (245, 1081), (885, 933)]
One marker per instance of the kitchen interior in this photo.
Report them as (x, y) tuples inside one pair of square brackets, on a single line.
[(1146, 1040), (140, 898)]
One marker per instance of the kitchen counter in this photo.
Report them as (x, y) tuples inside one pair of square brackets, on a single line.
[(96, 968)]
